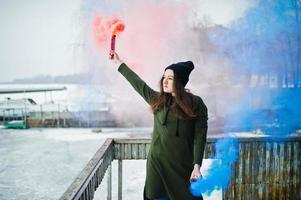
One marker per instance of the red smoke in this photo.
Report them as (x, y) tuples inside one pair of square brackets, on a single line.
[(154, 35), (117, 27), (104, 27)]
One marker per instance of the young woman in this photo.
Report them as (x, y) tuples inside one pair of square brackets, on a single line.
[(179, 133)]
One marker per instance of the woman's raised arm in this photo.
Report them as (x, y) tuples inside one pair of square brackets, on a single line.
[(138, 84)]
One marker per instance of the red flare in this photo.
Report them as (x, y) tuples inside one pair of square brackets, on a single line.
[(117, 28), (106, 27), (112, 46)]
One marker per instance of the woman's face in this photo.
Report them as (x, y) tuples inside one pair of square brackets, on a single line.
[(167, 83)]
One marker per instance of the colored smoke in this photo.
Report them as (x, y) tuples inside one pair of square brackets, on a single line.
[(220, 171), (247, 70), (104, 27), (264, 51)]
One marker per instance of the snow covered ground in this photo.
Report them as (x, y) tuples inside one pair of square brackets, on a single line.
[(41, 163)]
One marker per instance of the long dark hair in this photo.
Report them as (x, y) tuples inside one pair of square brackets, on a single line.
[(183, 104)]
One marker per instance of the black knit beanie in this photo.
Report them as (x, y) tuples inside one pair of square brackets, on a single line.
[(182, 71)]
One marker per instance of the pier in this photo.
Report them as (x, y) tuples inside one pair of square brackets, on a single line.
[(55, 115), (51, 113), (267, 168)]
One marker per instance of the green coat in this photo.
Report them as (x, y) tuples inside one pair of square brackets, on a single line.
[(175, 147)]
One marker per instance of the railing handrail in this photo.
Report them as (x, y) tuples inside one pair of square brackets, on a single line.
[(75, 190)]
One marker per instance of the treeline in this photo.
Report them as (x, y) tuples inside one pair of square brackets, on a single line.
[(47, 79)]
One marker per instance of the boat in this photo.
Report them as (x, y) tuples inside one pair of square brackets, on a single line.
[(15, 124)]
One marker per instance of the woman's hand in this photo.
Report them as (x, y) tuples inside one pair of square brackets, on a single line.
[(196, 173), (115, 58)]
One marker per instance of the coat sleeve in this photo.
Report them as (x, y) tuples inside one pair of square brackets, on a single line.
[(138, 84), (200, 135)]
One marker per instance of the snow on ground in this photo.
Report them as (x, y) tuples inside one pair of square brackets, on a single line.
[(41, 163)]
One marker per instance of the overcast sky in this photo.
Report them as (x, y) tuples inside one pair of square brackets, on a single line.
[(38, 36)]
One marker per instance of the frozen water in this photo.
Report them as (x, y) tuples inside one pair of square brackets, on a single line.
[(41, 163)]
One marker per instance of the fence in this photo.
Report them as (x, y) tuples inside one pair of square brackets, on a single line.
[(267, 168)]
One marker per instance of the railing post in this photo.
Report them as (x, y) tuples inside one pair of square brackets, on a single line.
[(119, 179), (58, 116), (109, 182)]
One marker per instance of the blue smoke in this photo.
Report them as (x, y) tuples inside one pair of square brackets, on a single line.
[(220, 171), (275, 113), (264, 49)]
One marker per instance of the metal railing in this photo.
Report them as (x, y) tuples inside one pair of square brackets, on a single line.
[(267, 168)]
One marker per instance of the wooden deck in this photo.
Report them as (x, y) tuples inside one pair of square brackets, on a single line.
[(267, 168)]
